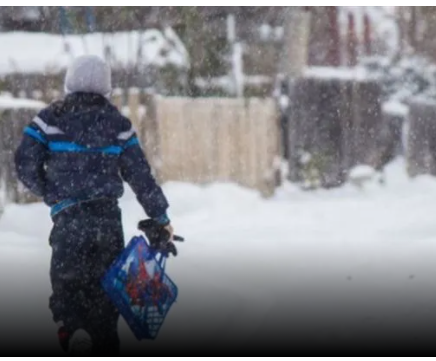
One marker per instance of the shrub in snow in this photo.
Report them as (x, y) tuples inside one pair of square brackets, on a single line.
[(311, 166), (403, 78)]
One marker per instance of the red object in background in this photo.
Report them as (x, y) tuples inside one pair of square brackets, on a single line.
[(333, 55), (367, 35), (351, 41)]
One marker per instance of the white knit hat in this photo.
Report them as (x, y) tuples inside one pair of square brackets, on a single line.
[(89, 74)]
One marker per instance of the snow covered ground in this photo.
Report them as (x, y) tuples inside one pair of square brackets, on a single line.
[(352, 262)]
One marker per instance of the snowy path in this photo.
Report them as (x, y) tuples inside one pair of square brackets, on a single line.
[(355, 260)]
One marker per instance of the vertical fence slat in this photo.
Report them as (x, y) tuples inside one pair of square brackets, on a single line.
[(223, 141), (254, 113), (134, 113), (205, 136), (117, 98), (237, 144)]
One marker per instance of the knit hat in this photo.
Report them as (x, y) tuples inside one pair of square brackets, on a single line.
[(89, 74)]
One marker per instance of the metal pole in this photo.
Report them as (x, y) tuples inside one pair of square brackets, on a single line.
[(237, 71)]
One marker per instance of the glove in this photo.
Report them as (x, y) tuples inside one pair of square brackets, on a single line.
[(159, 236)]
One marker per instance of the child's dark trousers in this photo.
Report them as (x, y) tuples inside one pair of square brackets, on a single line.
[(85, 240)]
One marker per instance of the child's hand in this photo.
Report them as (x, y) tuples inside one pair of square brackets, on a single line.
[(160, 237), (170, 229)]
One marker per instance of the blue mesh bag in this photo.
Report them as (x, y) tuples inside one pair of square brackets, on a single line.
[(139, 288)]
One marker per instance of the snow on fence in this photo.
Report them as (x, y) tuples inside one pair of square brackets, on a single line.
[(198, 140)]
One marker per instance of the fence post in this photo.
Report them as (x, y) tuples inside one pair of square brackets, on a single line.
[(224, 135), (294, 61), (133, 102), (117, 98), (421, 138), (150, 134)]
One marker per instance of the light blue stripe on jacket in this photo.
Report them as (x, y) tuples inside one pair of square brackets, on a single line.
[(76, 148), (35, 135)]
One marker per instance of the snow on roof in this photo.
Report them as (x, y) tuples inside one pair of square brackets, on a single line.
[(7, 102), (341, 73), (395, 108), (25, 52), (423, 100)]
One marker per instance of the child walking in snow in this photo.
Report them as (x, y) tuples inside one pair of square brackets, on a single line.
[(75, 154)]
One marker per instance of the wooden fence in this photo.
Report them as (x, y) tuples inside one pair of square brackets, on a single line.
[(204, 140), (336, 120), (421, 137), (199, 140), (207, 140), (14, 116)]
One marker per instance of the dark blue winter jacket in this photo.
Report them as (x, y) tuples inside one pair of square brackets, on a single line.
[(81, 149)]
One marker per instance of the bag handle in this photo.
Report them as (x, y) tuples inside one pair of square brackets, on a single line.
[(162, 260)]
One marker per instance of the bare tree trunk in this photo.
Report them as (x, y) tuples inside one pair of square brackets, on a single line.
[(405, 28), (412, 27), (334, 57), (351, 41), (367, 35)]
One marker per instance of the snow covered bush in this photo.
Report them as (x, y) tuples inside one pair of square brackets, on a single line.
[(403, 78), (151, 58)]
